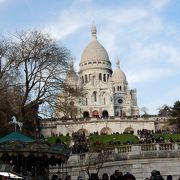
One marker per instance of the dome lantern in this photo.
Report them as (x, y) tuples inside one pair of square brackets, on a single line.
[(94, 32), (117, 62)]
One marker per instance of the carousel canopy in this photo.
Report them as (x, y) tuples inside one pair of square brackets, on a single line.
[(15, 136), (15, 143)]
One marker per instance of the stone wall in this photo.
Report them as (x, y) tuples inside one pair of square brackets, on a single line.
[(96, 125), (139, 160)]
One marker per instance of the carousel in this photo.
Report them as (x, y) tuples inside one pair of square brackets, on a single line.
[(22, 157)]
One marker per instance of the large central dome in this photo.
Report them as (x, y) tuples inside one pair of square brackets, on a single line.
[(94, 50)]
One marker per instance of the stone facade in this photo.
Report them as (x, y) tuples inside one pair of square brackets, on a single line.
[(107, 126), (105, 93), (107, 104)]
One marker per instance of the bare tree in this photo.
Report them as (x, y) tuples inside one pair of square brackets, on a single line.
[(144, 110), (40, 66), (6, 65), (6, 73), (95, 160), (164, 111)]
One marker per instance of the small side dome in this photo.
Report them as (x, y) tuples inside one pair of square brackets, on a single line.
[(71, 77), (118, 75)]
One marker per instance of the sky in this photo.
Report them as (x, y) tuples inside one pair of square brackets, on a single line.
[(144, 34)]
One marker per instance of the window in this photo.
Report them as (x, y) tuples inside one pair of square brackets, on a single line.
[(118, 88), (100, 76), (86, 101), (104, 78), (107, 76), (95, 96), (82, 79), (86, 78), (120, 101), (104, 100), (89, 77)]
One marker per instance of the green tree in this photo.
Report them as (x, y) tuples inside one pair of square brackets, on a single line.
[(175, 112)]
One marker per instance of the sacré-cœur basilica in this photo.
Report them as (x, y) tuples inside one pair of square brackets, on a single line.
[(107, 105)]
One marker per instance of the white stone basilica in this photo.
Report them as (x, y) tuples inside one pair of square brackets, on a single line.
[(107, 104), (106, 93)]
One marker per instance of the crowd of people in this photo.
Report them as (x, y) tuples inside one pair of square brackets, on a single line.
[(148, 136), (80, 143), (118, 175), (144, 136)]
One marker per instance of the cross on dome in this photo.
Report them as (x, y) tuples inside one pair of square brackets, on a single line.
[(117, 62), (94, 31)]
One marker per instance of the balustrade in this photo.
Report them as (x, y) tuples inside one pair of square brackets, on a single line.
[(148, 147), (166, 146), (124, 149)]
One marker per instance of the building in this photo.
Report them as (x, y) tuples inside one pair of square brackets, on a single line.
[(106, 105), (105, 92)]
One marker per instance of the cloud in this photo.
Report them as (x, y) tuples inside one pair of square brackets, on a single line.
[(147, 74), (68, 21), (147, 43), (2, 2), (166, 97), (160, 4)]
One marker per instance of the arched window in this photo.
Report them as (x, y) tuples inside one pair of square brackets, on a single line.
[(86, 101), (104, 100), (86, 78), (89, 77), (105, 114), (86, 114), (95, 96), (107, 77), (120, 88), (104, 78), (100, 76)]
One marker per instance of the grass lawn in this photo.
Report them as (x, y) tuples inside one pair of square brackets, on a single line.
[(64, 139), (117, 138), (103, 141), (175, 137)]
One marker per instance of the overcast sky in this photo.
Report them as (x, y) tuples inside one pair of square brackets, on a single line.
[(144, 34)]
